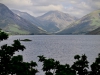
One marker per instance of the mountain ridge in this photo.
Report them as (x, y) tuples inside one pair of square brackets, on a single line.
[(28, 17), (84, 25), (15, 24), (58, 19), (52, 21)]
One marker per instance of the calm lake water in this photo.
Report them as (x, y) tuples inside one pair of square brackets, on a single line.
[(59, 47)]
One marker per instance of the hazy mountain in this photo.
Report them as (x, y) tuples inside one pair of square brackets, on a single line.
[(55, 20), (28, 17), (86, 24), (95, 32), (14, 24)]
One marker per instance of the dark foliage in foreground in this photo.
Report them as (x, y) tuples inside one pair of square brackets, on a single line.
[(14, 65), (10, 64), (52, 67), (79, 67)]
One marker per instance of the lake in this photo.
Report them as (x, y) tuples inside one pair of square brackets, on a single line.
[(59, 47)]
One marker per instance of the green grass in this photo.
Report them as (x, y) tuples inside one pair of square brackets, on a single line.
[(95, 22), (17, 30)]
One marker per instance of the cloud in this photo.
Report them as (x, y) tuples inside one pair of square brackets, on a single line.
[(95, 4), (50, 7), (77, 8), (17, 2), (47, 2)]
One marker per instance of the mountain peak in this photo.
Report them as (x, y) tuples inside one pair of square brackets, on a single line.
[(84, 25), (55, 12), (58, 14), (4, 10), (15, 24), (57, 19), (17, 11), (2, 4)]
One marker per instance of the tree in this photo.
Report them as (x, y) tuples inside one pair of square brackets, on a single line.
[(65, 70), (49, 65), (10, 64), (3, 35), (52, 67), (14, 65), (81, 65), (95, 67)]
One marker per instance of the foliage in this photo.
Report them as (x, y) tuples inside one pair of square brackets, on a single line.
[(14, 65), (81, 65), (10, 64), (3, 36), (95, 67), (52, 67), (15, 29)]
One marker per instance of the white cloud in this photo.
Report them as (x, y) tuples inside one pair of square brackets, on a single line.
[(73, 1), (50, 7), (17, 2), (47, 2), (37, 7)]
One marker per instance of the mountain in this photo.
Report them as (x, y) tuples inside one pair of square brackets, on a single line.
[(54, 21), (84, 25), (94, 32), (14, 24), (28, 17)]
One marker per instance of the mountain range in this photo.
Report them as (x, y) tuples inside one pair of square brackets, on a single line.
[(86, 24), (28, 17), (56, 22), (51, 21), (94, 32), (14, 24)]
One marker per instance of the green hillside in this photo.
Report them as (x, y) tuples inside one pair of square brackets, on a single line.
[(15, 29), (14, 24), (84, 25)]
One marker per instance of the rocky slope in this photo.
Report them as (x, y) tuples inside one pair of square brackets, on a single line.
[(54, 21), (14, 24), (28, 17), (84, 25)]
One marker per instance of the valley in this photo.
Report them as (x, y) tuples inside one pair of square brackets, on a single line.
[(15, 22)]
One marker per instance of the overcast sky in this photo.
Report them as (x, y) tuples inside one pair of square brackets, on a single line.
[(76, 8)]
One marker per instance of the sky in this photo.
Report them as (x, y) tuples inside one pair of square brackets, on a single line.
[(78, 8)]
